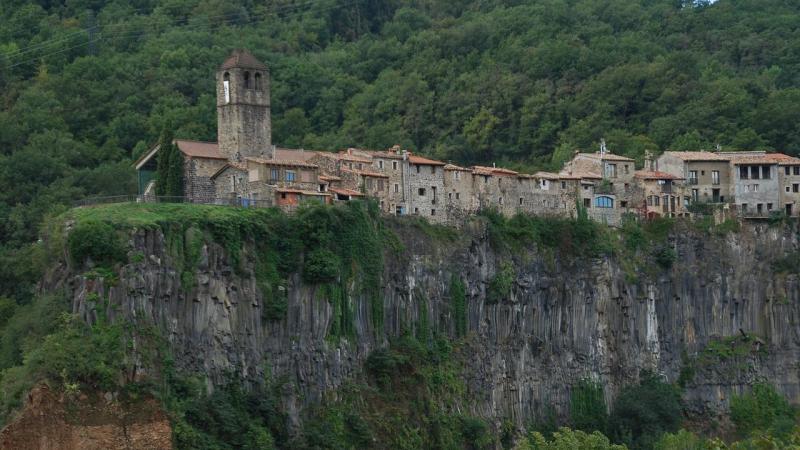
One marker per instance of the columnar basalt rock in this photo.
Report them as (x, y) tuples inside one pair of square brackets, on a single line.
[(566, 318)]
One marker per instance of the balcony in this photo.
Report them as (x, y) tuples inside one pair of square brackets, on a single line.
[(666, 188), (692, 181)]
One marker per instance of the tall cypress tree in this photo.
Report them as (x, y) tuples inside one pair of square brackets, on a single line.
[(164, 157), (175, 175)]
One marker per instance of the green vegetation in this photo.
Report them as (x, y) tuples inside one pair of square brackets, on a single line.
[(763, 409), (729, 347), (587, 407), (97, 241), (566, 439), (500, 286), (579, 236), (170, 168), (410, 400), (643, 412), (458, 304), (789, 263)]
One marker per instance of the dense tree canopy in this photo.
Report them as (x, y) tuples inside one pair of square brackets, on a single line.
[(88, 85)]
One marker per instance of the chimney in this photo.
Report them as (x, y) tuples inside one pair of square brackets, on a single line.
[(494, 165)]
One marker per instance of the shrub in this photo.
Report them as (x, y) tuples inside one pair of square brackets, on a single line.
[(458, 302), (97, 241), (566, 439), (643, 412), (682, 440), (7, 309), (588, 407), (665, 256), (321, 266), (761, 409), (502, 283)]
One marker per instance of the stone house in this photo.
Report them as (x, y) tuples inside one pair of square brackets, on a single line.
[(458, 195), (706, 175), (231, 184), (392, 163), (755, 185), (789, 180), (424, 186), (662, 195)]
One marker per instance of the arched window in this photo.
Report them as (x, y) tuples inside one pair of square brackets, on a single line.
[(604, 202), (247, 80), (258, 81)]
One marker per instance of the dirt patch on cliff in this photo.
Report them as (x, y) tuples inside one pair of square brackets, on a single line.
[(50, 421)]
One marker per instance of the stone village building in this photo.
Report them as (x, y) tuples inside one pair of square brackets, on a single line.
[(244, 168)]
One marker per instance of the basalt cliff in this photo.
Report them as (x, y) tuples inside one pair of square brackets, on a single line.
[(718, 316)]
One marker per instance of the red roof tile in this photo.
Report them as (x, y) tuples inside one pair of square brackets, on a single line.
[(198, 149), (420, 161), (243, 59), (279, 162), (345, 191), (655, 175), (697, 156)]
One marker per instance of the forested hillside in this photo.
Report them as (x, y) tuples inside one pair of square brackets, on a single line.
[(87, 85)]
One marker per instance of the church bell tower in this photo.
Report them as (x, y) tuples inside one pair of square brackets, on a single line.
[(244, 127)]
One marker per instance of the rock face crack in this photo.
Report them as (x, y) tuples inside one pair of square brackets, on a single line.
[(568, 318)]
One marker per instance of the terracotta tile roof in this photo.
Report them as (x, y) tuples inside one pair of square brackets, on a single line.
[(241, 58), (354, 158), (697, 156), (229, 165), (329, 178), (493, 170), (580, 176), (345, 191), (388, 154), (300, 191), (420, 161), (607, 156), (293, 154), (198, 149), (547, 175), (655, 175), (759, 158), (279, 162), (366, 173), (457, 168)]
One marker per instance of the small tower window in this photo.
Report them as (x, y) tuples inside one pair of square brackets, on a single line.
[(226, 86), (247, 80), (258, 81)]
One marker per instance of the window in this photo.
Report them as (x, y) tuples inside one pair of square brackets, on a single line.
[(433, 212), (587, 203), (623, 204), (715, 177), (766, 172), (258, 81), (744, 207), (289, 175), (380, 164), (692, 177), (396, 188), (458, 196), (563, 185), (485, 179), (500, 200), (421, 192), (545, 185), (786, 170), (657, 200), (433, 170), (417, 169), (695, 195), (686, 201), (627, 187), (456, 175), (520, 201), (381, 205), (611, 170), (226, 86), (769, 206), (755, 172), (788, 189), (795, 187), (380, 185), (759, 208), (416, 210), (369, 183), (649, 200), (247, 80), (626, 169), (743, 171), (322, 188), (449, 195), (360, 166), (283, 195), (604, 202), (796, 170), (273, 174), (394, 165), (703, 173)]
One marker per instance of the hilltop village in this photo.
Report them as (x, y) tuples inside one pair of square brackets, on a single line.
[(244, 168)]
